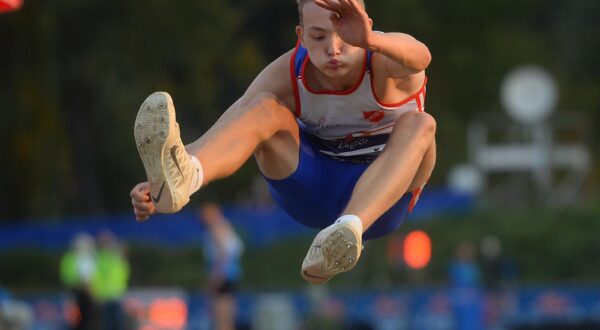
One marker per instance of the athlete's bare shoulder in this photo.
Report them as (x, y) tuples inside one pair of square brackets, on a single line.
[(399, 67), (275, 79)]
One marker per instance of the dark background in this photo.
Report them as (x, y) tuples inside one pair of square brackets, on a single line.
[(73, 74)]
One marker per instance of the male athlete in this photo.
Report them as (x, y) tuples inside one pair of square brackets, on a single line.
[(337, 127)]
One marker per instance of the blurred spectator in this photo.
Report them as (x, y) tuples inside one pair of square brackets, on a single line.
[(499, 278), (110, 280), (326, 311), (464, 270), (222, 251), (389, 313), (499, 271), (14, 314), (466, 287), (77, 270), (435, 315)]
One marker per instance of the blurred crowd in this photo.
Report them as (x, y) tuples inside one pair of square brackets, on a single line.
[(96, 273)]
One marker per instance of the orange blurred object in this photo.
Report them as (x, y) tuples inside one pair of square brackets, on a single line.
[(168, 313), (71, 313), (417, 249), (10, 5)]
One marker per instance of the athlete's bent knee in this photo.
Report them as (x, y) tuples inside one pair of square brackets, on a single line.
[(420, 124), (426, 124)]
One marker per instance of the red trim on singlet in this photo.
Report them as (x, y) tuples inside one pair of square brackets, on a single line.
[(415, 198), (424, 96), (366, 133), (346, 92), (294, 78), (418, 100), (406, 100)]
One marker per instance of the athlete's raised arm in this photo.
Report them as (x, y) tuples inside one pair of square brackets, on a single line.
[(402, 53)]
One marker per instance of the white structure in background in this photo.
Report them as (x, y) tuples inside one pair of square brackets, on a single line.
[(530, 143), (465, 179)]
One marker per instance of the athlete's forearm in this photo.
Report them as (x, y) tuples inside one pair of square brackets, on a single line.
[(402, 49)]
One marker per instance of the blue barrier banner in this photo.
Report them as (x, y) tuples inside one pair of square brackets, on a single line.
[(258, 226), (428, 308)]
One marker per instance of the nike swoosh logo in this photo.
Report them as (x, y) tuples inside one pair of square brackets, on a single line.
[(305, 273), (156, 198), (173, 155)]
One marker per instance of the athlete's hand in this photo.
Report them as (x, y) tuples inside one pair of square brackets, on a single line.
[(350, 21), (142, 204)]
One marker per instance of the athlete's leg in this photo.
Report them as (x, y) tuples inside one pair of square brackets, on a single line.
[(405, 164), (264, 127), (224, 311), (425, 169)]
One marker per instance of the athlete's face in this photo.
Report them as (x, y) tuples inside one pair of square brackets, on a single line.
[(327, 51)]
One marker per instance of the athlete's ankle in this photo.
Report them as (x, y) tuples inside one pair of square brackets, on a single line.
[(197, 176), (353, 220)]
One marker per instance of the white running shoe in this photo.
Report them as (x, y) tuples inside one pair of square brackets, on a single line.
[(167, 164), (335, 249)]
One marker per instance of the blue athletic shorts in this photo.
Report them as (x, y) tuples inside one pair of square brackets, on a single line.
[(318, 191)]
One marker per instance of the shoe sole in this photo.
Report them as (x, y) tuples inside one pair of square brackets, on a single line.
[(341, 246), (153, 124), (341, 251)]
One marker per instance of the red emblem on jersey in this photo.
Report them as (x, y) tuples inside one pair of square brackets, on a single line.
[(374, 116)]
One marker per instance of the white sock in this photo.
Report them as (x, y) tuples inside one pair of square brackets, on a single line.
[(197, 176), (353, 220)]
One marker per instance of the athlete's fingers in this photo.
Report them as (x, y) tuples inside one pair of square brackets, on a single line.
[(141, 192), (140, 213), (141, 217), (355, 5), (143, 187), (143, 212), (334, 16), (335, 4), (143, 206), (321, 3), (329, 5), (144, 198), (139, 198), (135, 191), (346, 4)]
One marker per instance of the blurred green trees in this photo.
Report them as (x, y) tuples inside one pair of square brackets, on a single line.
[(73, 74)]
